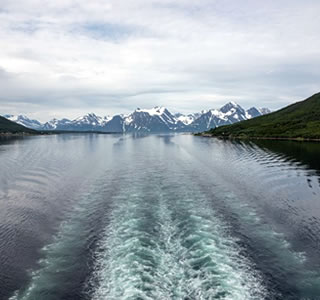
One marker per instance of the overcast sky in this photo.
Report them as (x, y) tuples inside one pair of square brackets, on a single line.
[(64, 58)]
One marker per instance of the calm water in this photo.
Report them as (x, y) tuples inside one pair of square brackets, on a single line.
[(158, 217)]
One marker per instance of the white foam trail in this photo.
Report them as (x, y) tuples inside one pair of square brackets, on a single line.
[(182, 252)]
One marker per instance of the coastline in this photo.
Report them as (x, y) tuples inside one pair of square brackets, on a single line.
[(298, 139), (18, 134), (51, 132)]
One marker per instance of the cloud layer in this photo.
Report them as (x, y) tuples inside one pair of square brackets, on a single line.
[(68, 57)]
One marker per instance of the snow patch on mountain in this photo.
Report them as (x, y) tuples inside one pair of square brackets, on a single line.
[(187, 119)]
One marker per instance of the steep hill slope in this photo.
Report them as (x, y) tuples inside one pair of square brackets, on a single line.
[(7, 126), (299, 120)]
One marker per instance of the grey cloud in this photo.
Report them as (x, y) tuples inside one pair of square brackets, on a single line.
[(118, 55)]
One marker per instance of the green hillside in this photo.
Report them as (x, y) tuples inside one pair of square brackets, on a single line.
[(7, 126), (299, 120)]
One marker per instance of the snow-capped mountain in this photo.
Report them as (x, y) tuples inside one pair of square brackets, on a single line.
[(24, 120), (91, 120), (157, 119), (228, 114), (264, 111), (252, 113), (56, 124), (233, 112), (88, 122)]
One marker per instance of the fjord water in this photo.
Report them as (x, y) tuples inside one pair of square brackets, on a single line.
[(158, 217)]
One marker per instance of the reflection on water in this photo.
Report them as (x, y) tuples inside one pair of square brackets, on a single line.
[(158, 217), (305, 153)]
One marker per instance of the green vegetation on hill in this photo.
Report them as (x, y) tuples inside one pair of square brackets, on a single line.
[(299, 120), (7, 126)]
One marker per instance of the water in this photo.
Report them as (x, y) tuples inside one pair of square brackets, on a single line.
[(158, 217)]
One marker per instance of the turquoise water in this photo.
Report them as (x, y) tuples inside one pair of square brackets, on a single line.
[(158, 217)]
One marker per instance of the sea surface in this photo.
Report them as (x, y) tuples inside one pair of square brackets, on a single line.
[(87, 216)]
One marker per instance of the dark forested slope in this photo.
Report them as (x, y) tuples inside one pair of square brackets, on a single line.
[(7, 126), (299, 120)]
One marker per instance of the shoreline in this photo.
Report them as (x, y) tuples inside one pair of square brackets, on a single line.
[(51, 132), (299, 139), (18, 134)]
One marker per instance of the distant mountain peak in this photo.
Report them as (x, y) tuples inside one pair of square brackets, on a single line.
[(88, 115), (264, 110), (157, 110), (93, 115), (233, 103), (230, 105)]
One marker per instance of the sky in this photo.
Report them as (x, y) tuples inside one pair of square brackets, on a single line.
[(65, 58)]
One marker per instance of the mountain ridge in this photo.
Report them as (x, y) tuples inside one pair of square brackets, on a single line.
[(157, 119)]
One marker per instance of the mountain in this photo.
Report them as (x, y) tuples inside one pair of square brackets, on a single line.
[(115, 125), (88, 122), (7, 126), (56, 124), (157, 119), (299, 120), (25, 121), (264, 111), (228, 114)]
